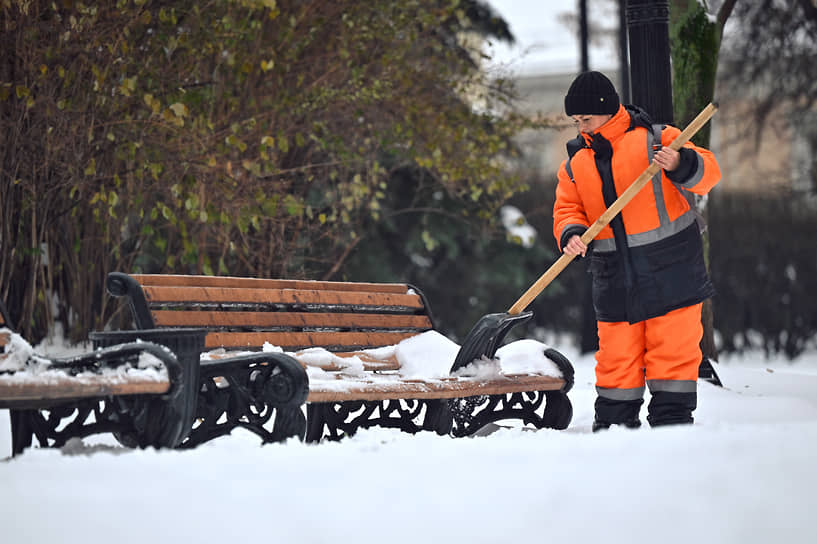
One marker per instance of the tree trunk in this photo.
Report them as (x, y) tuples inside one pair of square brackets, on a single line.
[(695, 41)]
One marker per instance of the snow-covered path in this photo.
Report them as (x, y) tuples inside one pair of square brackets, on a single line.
[(744, 473)]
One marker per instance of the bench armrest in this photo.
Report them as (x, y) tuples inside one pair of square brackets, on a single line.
[(117, 354), (122, 285), (32, 381)]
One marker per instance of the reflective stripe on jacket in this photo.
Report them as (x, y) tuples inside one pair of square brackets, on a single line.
[(665, 267)]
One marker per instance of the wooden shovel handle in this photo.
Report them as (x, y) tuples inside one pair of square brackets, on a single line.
[(608, 215)]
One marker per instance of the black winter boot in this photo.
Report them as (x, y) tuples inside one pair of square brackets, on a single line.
[(670, 408), (599, 425), (616, 412)]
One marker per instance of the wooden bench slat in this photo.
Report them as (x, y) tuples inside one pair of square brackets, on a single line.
[(375, 390), (227, 295), (57, 388), (369, 363), (298, 340), (161, 280), (250, 320)]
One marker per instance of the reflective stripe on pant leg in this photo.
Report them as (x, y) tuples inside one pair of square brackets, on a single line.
[(620, 360), (672, 360), (673, 351), (619, 372)]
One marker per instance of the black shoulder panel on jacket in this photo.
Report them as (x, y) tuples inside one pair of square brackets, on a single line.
[(638, 117), (574, 145)]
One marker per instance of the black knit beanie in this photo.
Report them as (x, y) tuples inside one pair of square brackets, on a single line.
[(591, 93)]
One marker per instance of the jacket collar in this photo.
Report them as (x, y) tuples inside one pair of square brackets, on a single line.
[(613, 128)]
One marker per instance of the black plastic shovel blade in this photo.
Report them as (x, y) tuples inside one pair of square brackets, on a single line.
[(707, 372), (486, 336)]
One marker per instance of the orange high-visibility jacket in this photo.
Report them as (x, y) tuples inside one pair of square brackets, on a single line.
[(662, 266)]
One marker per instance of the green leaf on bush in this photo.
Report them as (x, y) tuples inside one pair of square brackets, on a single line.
[(179, 109)]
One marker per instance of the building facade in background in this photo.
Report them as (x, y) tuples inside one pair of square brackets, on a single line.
[(781, 155)]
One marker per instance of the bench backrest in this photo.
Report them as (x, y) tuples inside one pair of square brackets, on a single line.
[(292, 314)]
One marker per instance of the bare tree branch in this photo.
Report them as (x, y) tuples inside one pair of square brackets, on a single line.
[(725, 11)]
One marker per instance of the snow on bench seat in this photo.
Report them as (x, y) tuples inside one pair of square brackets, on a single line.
[(417, 368), (25, 376), (382, 387)]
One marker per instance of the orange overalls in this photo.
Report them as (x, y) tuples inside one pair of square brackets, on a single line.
[(649, 275)]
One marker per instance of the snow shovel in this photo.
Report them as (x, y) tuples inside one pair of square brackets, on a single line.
[(486, 336)]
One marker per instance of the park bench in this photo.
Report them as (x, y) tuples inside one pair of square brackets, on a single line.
[(133, 389), (106, 390), (361, 385)]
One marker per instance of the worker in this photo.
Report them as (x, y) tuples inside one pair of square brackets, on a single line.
[(649, 277)]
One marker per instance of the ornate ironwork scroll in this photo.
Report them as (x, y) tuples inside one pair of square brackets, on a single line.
[(542, 409), (335, 420), (54, 426), (262, 393), (458, 417)]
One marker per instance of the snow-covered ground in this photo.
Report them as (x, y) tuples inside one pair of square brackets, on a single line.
[(744, 473)]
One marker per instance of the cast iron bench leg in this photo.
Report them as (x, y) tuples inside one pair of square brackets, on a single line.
[(21, 431)]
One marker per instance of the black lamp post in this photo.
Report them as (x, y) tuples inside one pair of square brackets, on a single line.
[(623, 57), (583, 36), (650, 71)]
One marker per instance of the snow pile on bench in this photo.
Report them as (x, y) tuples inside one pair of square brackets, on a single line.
[(428, 356), (20, 365)]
